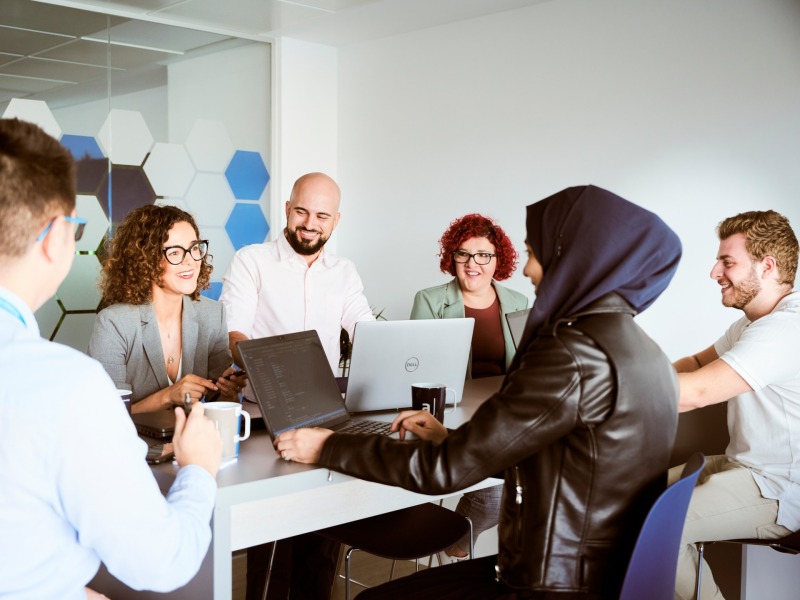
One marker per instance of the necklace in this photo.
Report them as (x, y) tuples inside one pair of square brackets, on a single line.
[(171, 358)]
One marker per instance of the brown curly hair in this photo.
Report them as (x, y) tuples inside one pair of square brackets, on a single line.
[(134, 262), (475, 225), (767, 233)]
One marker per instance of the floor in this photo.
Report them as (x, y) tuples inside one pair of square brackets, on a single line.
[(366, 568)]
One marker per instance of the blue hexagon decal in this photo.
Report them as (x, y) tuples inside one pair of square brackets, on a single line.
[(247, 225), (247, 175), (81, 146), (214, 291), (91, 165)]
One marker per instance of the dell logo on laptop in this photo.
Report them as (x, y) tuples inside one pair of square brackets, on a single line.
[(412, 364)]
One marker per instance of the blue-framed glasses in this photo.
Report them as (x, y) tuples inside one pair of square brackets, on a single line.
[(80, 225)]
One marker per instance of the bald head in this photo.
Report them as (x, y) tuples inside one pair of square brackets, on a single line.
[(316, 185), (312, 213)]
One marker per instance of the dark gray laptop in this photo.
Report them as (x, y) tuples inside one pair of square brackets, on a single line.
[(294, 386)]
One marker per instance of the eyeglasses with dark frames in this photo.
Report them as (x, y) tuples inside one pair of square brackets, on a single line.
[(80, 225), (480, 258), (176, 254)]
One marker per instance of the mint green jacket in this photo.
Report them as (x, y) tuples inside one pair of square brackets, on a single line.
[(445, 302)]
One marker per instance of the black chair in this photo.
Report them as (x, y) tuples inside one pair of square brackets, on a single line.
[(654, 561), (407, 534), (789, 544)]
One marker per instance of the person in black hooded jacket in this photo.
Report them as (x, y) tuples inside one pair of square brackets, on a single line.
[(582, 426)]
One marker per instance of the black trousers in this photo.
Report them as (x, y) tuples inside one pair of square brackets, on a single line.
[(468, 580), (303, 569)]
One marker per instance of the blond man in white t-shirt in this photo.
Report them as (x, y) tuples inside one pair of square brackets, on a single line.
[(753, 490)]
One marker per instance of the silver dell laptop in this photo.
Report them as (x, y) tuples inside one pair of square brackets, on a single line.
[(388, 356)]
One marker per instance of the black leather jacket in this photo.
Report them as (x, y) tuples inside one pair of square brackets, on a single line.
[(582, 429)]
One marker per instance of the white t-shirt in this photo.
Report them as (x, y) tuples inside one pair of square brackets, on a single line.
[(764, 425), (270, 290)]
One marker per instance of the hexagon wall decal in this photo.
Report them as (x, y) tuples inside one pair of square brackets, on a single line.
[(130, 189), (220, 248), (247, 225), (247, 175), (209, 145), (209, 199), (169, 169), (81, 146), (48, 317), (79, 290), (91, 165), (214, 291), (125, 137), (33, 111), (76, 330), (89, 208)]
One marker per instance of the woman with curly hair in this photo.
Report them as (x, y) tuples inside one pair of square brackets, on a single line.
[(478, 253), (156, 334)]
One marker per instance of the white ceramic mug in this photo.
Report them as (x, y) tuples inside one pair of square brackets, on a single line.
[(227, 417)]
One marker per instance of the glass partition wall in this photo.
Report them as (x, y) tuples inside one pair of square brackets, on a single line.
[(152, 113)]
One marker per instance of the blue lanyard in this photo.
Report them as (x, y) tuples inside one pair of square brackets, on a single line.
[(12, 310)]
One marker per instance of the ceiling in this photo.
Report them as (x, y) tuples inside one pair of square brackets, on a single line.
[(68, 51)]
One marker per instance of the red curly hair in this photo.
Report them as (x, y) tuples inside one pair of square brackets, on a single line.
[(472, 226), (135, 259)]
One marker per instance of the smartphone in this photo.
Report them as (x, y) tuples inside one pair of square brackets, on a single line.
[(159, 453), (238, 373)]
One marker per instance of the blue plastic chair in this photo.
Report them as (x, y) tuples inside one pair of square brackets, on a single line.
[(654, 562)]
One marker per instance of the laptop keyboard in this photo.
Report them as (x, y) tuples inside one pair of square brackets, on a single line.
[(366, 427)]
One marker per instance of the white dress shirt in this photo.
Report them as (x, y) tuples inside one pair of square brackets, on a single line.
[(764, 425), (75, 489), (270, 290)]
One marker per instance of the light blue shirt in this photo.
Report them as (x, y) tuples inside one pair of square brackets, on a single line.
[(75, 489)]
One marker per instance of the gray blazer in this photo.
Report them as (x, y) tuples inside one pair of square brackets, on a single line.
[(445, 302), (126, 341)]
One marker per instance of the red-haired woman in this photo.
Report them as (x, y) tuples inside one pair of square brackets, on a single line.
[(478, 253)]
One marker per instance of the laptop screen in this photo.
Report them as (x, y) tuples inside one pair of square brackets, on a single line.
[(516, 324), (293, 382), (389, 356)]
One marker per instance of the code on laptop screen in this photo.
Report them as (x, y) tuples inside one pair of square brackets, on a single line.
[(293, 382)]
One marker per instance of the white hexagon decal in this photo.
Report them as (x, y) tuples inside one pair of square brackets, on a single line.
[(220, 247), (169, 169), (34, 111), (76, 330), (88, 207), (210, 199), (79, 290), (48, 316), (125, 138), (209, 146), (176, 202)]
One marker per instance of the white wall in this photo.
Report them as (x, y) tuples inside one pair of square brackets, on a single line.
[(689, 108), (307, 118)]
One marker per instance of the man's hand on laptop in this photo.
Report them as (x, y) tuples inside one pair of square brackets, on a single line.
[(421, 423), (302, 445), (196, 441)]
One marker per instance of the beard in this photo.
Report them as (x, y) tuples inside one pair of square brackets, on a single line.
[(743, 292), (302, 246)]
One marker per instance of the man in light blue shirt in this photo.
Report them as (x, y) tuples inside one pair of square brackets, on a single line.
[(75, 489)]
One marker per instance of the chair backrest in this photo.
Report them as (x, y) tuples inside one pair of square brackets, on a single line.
[(651, 570)]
